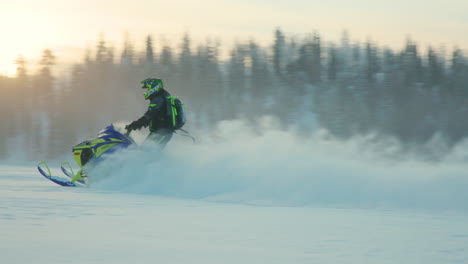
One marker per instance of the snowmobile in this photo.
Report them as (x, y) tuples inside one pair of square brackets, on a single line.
[(89, 153)]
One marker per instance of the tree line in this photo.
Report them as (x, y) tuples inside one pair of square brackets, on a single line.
[(348, 88)]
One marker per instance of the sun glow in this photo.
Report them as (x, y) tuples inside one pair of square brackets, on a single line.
[(8, 69)]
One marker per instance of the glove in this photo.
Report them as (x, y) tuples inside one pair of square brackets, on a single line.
[(136, 124), (132, 126)]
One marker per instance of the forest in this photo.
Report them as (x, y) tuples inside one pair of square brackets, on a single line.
[(346, 88)]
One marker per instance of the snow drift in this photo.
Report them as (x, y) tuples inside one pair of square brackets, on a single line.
[(277, 167)]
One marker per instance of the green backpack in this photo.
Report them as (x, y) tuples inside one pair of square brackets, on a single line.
[(175, 110)]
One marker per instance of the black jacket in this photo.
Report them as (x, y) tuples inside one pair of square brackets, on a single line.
[(156, 117)]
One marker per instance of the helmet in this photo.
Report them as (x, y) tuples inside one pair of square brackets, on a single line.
[(153, 85)]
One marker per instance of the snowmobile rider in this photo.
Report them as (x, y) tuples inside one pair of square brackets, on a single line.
[(156, 117)]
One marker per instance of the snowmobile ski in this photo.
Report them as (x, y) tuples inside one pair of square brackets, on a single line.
[(58, 180), (67, 172), (78, 177)]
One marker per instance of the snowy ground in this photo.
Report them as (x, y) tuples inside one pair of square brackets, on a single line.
[(44, 223), (230, 205)]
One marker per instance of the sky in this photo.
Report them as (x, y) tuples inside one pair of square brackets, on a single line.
[(69, 27)]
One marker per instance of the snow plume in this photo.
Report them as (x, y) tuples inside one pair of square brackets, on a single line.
[(277, 167)]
